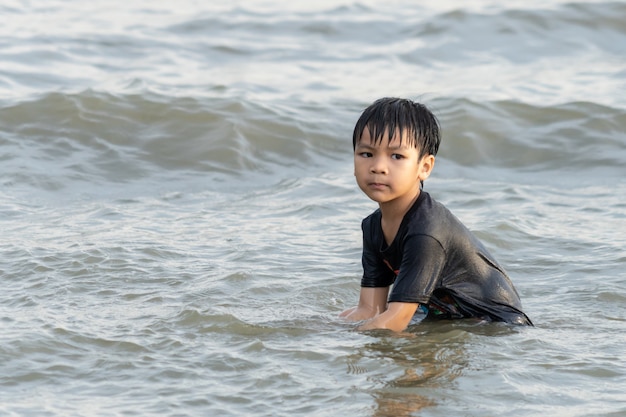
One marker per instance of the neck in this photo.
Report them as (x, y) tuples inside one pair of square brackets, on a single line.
[(399, 207), (392, 213)]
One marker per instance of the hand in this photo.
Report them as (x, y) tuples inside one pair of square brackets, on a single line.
[(372, 301), (359, 313), (397, 317), (347, 312)]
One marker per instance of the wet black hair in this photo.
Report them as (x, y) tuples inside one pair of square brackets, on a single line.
[(390, 114)]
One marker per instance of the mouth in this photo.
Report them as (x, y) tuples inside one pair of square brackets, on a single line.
[(377, 185)]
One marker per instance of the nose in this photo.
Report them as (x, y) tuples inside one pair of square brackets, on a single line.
[(379, 166)]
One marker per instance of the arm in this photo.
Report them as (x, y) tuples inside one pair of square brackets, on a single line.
[(420, 271), (372, 301), (396, 317)]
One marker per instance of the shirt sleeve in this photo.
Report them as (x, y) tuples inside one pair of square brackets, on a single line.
[(423, 259), (375, 272)]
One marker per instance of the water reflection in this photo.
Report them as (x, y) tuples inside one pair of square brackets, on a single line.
[(420, 362)]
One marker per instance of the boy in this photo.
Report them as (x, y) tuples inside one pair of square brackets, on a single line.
[(413, 242)]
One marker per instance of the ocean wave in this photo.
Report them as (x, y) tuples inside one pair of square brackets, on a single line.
[(513, 33), (524, 137), (95, 137)]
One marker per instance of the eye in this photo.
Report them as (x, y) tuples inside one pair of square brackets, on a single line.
[(397, 156), (365, 154)]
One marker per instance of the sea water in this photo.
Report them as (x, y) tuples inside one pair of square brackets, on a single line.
[(181, 225)]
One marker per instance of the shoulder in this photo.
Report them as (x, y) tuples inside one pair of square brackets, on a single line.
[(430, 204), (427, 212), (371, 220), (433, 219)]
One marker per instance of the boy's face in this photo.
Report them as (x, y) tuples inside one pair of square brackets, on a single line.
[(390, 171)]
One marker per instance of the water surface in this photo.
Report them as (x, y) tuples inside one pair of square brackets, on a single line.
[(181, 224)]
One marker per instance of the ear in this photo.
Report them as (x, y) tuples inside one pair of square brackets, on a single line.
[(426, 166)]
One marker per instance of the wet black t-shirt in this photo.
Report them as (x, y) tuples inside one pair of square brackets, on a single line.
[(437, 262)]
